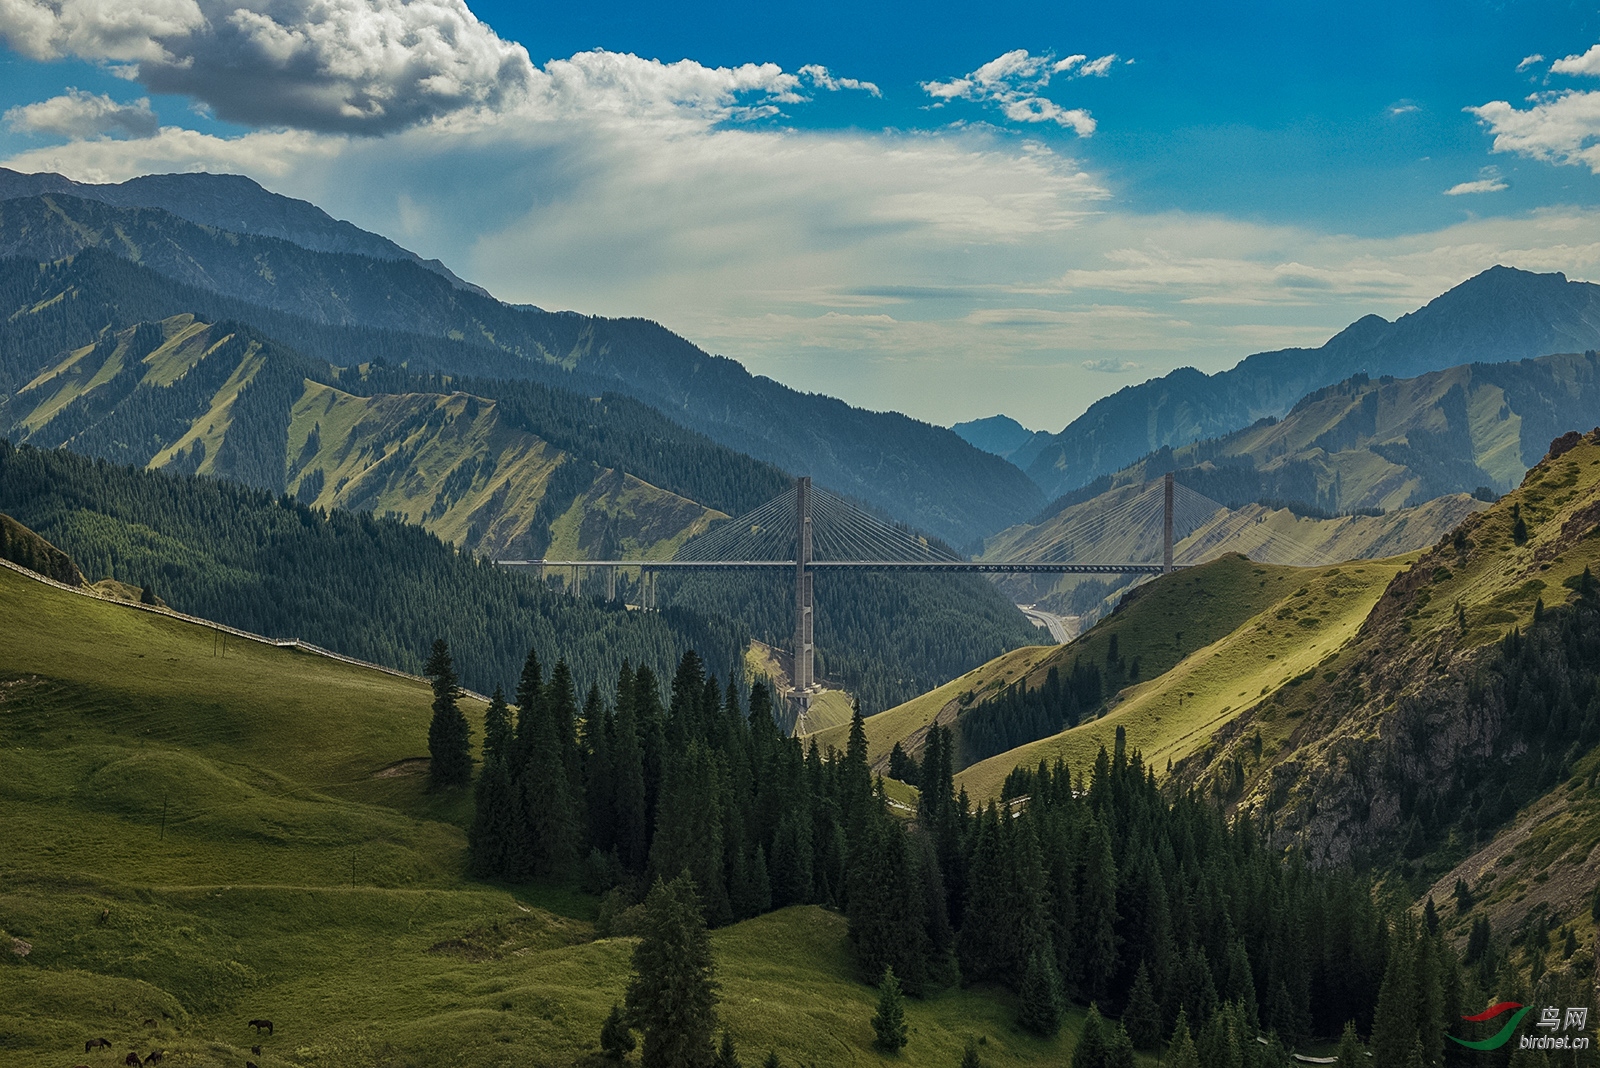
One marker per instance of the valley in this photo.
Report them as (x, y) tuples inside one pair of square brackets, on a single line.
[(1321, 789)]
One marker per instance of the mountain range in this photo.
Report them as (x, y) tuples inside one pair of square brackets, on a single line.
[(1500, 315), (919, 474)]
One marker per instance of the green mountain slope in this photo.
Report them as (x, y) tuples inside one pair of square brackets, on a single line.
[(166, 395), (258, 844), (922, 474), (1499, 315)]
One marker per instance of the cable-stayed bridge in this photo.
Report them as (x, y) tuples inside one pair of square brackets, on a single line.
[(809, 530)]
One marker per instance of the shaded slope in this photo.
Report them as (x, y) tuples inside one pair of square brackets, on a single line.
[(1501, 314), (921, 474), (228, 202), (22, 546)]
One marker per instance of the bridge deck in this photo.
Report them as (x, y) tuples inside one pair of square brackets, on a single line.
[(1012, 567)]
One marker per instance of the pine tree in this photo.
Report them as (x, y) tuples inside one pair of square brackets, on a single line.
[(672, 997), (726, 1055), (1040, 995), (1351, 1055), (1091, 1050), (889, 1022), (1394, 1023), (616, 1039), (449, 736), (493, 846), (969, 1056), (497, 731), (1181, 1052), (1119, 1048), (1142, 1016)]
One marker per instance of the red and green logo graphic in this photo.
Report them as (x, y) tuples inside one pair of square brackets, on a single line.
[(1504, 1034)]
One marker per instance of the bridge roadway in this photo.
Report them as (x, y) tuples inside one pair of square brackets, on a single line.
[(1007, 567)]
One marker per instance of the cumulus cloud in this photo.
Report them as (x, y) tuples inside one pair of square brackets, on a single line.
[(1528, 61), (1481, 185), (1588, 63), (361, 66), (820, 77), (79, 114), (1015, 83), (1559, 127)]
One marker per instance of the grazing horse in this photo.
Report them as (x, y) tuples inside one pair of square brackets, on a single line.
[(259, 1024), (95, 1042), (132, 1059), (105, 915), (155, 1057), (256, 1050)]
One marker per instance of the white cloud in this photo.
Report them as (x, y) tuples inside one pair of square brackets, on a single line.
[(1528, 61), (364, 66), (820, 77), (1481, 185), (79, 114), (1403, 108), (1559, 127), (1015, 83), (1113, 367), (1588, 63)]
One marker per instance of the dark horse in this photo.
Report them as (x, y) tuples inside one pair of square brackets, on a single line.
[(96, 1042), (259, 1024), (132, 1059)]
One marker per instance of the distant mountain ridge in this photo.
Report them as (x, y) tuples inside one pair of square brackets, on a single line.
[(999, 434), (917, 473), (1502, 314), (230, 202)]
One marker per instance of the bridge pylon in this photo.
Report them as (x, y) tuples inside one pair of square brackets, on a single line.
[(804, 649), (1166, 524)]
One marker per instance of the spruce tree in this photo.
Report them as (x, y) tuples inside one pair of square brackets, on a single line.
[(616, 1038), (1119, 1048), (1142, 1016), (969, 1056), (497, 730), (1181, 1052), (493, 846), (1040, 996), (1351, 1055), (727, 1057), (889, 1022), (449, 736), (673, 995), (1090, 1052), (1394, 1022)]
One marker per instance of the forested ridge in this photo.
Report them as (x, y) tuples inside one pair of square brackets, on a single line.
[(362, 585), (885, 637), (1087, 885)]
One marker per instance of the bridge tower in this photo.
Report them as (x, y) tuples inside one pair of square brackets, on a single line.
[(1166, 524), (804, 650)]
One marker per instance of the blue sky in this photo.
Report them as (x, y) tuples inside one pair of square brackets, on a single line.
[(945, 210)]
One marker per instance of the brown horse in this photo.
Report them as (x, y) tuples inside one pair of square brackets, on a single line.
[(259, 1024), (132, 1059), (155, 1057), (94, 1043)]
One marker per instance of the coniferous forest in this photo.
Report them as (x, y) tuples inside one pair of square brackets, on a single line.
[(1188, 935)]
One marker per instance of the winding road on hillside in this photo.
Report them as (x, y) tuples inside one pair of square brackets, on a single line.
[(1062, 628)]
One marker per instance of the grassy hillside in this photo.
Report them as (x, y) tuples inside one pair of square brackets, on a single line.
[(1439, 735), (1300, 616), (166, 394), (260, 843)]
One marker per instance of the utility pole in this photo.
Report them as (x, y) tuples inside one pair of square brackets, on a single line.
[(804, 650), (1166, 525)]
